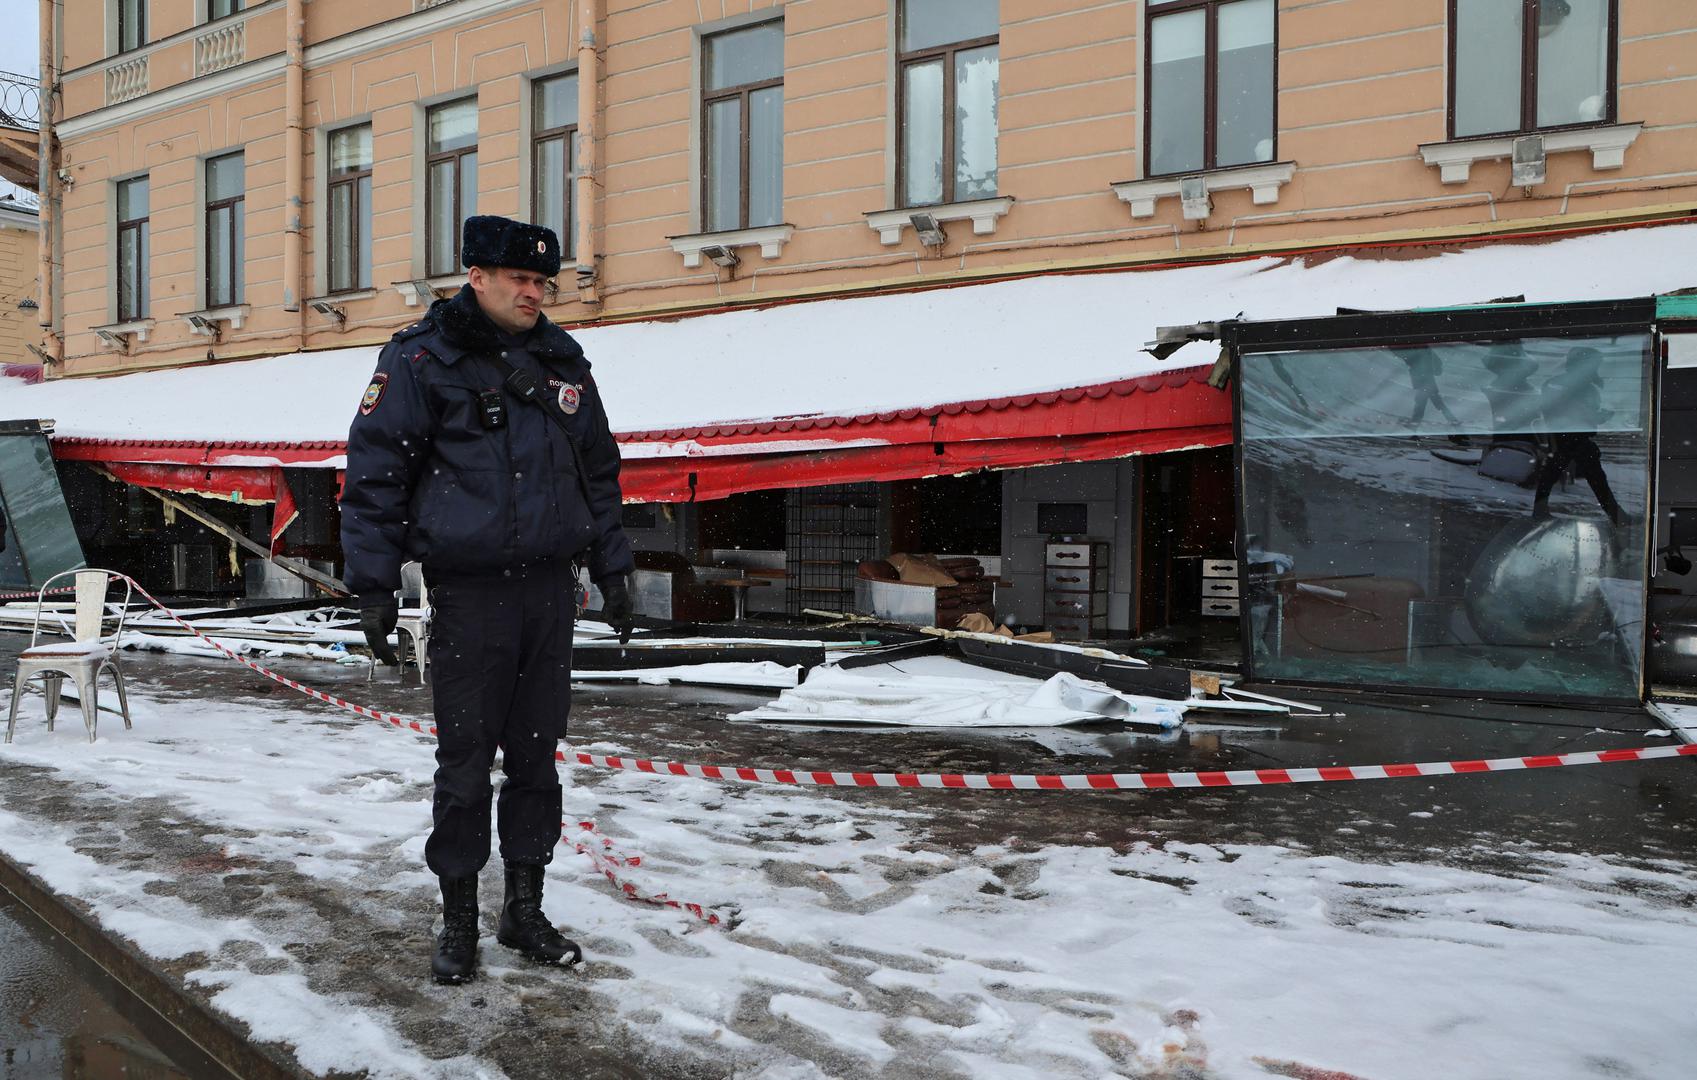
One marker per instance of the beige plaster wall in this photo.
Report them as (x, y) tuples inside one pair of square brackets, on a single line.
[(18, 250), (1361, 84)]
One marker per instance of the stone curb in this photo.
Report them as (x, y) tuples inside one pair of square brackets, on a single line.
[(217, 1036)]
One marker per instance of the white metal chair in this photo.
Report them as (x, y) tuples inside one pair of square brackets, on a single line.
[(82, 659), (412, 631)]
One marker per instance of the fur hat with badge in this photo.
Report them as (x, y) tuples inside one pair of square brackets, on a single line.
[(490, 241)]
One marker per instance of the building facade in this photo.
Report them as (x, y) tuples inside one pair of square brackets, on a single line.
[(234, 180), (19, 233)]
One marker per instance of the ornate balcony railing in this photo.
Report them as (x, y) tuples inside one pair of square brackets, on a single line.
[(218, 49), (20, 102), (126, 79)]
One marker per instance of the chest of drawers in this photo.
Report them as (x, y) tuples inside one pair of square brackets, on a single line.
[(1075, 589)]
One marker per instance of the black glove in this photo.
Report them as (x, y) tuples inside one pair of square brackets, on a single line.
[(378, 613), (615, 606)]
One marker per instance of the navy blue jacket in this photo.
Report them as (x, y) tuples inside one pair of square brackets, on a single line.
[(426, 480)]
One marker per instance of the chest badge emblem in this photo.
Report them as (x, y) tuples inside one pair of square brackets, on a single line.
[(570, 398)]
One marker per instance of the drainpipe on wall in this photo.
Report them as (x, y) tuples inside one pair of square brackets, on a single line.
[(294, 108), (47, 186), (588, 95)]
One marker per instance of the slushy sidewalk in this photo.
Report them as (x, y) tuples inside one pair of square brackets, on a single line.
[(263, 854)]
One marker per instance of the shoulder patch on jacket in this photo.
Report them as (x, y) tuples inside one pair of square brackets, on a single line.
[(420, 327), (373, 394)]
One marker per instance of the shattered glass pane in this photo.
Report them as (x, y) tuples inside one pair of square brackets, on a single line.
[(1456, 516)]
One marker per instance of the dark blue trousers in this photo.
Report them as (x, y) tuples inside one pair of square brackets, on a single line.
[(500, 672)]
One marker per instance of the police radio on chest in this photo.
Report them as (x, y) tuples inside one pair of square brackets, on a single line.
[(491, 409), (522, 384)]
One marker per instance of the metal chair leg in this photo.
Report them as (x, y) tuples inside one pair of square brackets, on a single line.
[(123, 701), (88, 695), (50, 686), (17, 693)]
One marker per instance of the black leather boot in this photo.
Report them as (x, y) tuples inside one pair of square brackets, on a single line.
[(523, 925), (455, 960)]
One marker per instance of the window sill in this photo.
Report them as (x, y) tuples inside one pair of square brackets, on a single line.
[(205, 322), (1261, 181), (983, 213), (424, 290), (770, 239), (344, 297), (1607, 145), (119, 334)]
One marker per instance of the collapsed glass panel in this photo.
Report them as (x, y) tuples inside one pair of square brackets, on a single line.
[(40, 540), (1463, 516)]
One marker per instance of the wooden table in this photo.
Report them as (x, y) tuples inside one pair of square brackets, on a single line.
[(740, 586)]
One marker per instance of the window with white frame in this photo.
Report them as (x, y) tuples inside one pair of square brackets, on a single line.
[(553, 155), (132, 24), (450, 190), (1212, 81), (349, 212), (948, 84), (226, 191), (742, 123), (1531, 65), (132, 249)]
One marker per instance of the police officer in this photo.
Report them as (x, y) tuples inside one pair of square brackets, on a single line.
[(481, 450)]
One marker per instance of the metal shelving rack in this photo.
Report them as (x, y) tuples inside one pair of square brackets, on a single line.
[(828, 532)]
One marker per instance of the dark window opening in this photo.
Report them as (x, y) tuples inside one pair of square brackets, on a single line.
[(132, 24), (753, 520), (132, 261)]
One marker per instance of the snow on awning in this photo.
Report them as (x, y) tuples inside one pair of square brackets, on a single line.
[(868, 386)]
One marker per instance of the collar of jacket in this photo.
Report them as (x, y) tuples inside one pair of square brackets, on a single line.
[(464, 330)]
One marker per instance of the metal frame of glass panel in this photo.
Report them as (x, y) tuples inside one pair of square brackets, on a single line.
[(41, 539), (1495, 324)]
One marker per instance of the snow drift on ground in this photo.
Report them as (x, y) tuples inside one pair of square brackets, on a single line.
[(861, 945)]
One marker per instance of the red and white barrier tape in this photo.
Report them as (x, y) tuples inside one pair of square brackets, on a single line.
[(4, 597), (600, 850), (605, 857), (1138, 781), (607, 860)]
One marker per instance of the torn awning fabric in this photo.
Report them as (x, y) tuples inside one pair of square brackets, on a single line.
[(230, 483), (1149, 415)]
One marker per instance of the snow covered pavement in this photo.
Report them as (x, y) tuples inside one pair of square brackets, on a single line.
[(267, 852)]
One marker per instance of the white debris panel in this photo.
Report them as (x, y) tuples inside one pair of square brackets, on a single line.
[(883, 695)]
